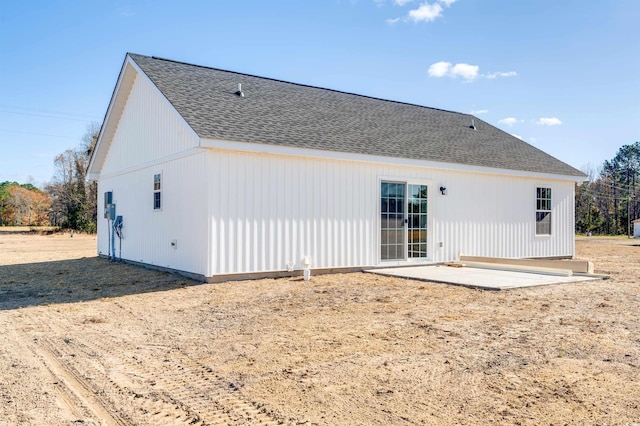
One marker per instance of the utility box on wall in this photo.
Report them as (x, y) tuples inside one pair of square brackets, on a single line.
[(109, 207)]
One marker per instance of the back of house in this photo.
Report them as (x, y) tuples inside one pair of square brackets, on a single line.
[(224, 175)]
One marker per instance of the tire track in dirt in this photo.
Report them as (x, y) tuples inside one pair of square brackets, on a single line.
[(122, 388), (181, 381), (71, 406), (76, 385), (74, 393), (152, 384), (197, 385), (227, 395)]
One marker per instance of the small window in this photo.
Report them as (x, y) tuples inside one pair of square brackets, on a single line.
[(157, 192), (543, 211)]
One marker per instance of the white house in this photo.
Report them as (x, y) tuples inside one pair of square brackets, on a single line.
[(222, 175), (636, 228)]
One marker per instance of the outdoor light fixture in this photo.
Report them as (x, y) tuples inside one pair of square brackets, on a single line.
[(443, 190)]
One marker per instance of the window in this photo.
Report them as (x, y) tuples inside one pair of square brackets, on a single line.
[(543, 211), (157, 192)]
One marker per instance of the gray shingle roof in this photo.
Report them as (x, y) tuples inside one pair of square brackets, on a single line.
[(295, 115)]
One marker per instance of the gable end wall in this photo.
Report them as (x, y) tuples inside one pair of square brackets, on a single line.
[(149, 129), (151, 138)]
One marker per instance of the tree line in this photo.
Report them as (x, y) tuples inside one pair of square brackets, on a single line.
[(609, 202), (23, 205), (68, 201)]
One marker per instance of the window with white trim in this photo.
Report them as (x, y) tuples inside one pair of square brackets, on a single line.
[(157, 191), (543, 211)]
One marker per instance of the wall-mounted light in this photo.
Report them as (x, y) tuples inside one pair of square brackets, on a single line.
[(443, 190)]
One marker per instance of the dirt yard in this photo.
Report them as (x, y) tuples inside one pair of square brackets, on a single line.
[(87, 341)]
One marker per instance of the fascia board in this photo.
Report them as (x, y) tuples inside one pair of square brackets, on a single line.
[(100, 150), (346, 156)]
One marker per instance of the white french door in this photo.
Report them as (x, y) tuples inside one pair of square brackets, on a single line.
[(403, 221)]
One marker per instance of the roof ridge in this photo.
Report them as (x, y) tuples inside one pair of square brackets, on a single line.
[(303, 85)]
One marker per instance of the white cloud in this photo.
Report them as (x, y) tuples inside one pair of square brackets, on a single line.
[(549, 121), (393, 21), (493, 75), (426, 12), (441, 69), (517, 136), (466, 71), (509, 121), (479, 111)]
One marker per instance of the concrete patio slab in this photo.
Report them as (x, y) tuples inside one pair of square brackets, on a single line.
[(487, 279)]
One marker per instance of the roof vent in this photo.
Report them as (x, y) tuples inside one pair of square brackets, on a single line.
[(473, 124), (240, 92)]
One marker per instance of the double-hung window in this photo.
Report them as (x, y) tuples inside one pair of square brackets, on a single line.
[(543, 211), (157, 191)]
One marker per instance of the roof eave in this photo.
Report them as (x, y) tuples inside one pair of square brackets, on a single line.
[(263, 148), (127, 75)]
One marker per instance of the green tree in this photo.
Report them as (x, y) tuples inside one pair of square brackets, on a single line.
[(4, 196), (608, 203)]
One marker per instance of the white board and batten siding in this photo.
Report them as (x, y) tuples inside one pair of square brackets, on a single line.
[(268, 211), (149, 129), (151, 138)]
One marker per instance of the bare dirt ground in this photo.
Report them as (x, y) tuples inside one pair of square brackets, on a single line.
[(87, 341)]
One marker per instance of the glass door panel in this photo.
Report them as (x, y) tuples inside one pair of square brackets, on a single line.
[(417, 223), (392, 221)]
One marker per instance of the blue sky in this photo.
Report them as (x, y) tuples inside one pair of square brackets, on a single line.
[(563, 75)]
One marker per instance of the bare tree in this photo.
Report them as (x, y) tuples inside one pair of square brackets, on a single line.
[(74, 201)]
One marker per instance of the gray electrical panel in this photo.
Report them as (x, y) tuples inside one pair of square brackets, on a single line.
[(109, 207), (110, 212)]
